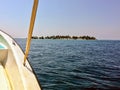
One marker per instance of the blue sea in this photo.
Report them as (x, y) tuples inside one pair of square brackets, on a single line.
[(75, 64)]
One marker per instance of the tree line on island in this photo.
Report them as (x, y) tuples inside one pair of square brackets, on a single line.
[(65, 37)]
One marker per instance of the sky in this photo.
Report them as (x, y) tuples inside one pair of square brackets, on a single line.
[(98, 18)]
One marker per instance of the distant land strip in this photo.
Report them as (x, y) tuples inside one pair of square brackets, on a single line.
[(65, 37)]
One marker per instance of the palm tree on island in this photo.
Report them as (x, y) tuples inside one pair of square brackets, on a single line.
[(65, 37)]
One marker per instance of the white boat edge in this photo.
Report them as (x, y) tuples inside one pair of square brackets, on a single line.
[(19, 77)]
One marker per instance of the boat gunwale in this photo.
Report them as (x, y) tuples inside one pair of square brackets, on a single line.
[(24, 54)]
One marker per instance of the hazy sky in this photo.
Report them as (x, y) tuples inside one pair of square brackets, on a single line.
[(99, 18)]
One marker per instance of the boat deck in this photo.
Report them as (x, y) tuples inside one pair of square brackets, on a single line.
[(13, 74), (5, 85)]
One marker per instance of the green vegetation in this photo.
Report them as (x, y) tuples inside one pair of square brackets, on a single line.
[(65, 37)]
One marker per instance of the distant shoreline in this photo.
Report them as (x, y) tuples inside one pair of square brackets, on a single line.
[(67, 37)]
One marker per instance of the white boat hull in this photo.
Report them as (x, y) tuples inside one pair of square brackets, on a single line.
[(13, 74)]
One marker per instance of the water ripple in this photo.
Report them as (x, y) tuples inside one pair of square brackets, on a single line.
[(76, 64)]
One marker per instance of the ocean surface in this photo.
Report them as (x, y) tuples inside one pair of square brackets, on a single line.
[(75, 64)]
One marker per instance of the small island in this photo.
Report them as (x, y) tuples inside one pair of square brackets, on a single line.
[(65, 37)]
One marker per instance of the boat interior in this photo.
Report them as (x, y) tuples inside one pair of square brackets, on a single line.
[(9, 71), (13, 74)]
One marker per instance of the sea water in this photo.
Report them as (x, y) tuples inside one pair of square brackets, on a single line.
[(75, 64)]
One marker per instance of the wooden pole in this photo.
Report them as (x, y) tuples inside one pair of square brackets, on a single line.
[(32, 21)]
